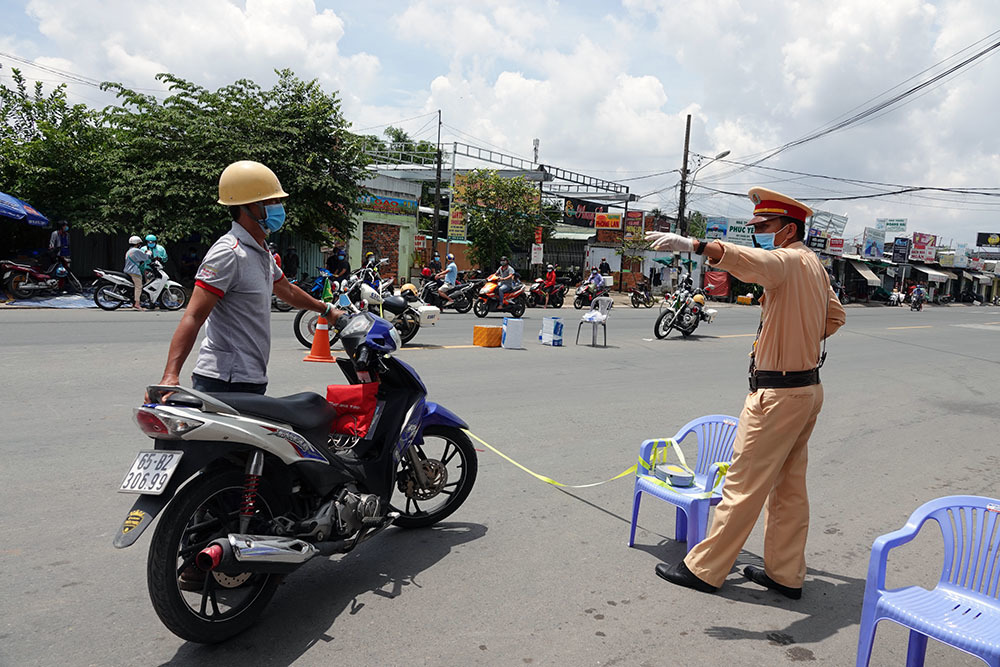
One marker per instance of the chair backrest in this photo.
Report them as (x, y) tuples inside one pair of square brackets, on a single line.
[(716, 435), (970, 527), (602, 304)]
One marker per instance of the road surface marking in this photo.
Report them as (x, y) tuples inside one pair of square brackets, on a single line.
[(922, 326)]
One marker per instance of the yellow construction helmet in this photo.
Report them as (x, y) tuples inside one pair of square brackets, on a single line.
[(408, 289), (699, 298), (246, 182)]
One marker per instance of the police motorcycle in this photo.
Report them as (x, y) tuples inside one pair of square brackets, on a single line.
[(248, 487), (114, 289), (684, 310), (365, 290)]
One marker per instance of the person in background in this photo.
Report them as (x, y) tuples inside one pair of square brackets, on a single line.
[(337, 264), (435, 263), (154, 249), (506, 279), (136, 260), (291, 267), (450, 276), (549, 284), (605, 268), (273, 248), (59, 242)]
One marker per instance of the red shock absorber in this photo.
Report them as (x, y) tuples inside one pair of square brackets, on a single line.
[(250, 485)]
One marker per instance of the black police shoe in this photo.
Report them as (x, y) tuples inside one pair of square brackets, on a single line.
[(758, 576), (680, 574)]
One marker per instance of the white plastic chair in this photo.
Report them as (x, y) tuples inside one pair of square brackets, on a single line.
[(597, 316)]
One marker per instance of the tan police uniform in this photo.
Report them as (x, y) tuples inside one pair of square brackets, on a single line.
[(770, 454)]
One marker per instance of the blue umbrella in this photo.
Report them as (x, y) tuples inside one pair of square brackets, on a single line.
[(14, 208)]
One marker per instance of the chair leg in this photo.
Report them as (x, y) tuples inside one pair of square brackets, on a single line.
[(604, 327), (681, 526), (866, 637), (635, 517), (915, 649), (697, 525), (578, 327)]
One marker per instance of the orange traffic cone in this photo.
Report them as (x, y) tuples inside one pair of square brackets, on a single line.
[(320, 350)]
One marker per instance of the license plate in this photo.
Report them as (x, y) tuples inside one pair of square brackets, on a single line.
[(150, 472)]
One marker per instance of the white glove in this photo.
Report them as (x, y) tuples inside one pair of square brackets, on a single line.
[(668, 241)]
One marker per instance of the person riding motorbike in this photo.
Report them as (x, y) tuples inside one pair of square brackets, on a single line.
[(154, 249), (135, 265), (505, 275), (450, 276), (550, 283), (596, 280), (917, 296), (338, 265)]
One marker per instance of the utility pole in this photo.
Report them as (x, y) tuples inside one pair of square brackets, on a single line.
[(437, 195), (682, 226)]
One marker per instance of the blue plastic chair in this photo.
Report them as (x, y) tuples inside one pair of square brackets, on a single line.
[(716, 434), (962, 610)]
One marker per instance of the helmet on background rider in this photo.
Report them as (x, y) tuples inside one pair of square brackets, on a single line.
[(550, 268), (273, 247), (151, 240), (450, 257), (503, 261), (134, 240)]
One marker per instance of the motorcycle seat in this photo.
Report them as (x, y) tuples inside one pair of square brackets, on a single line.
[(120, 274), (305, 411)]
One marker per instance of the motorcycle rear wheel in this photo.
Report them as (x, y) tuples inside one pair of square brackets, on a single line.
[(15, 286), (664, 323), (518, 307), (105, 302), (578, 302), (636, 301), (481, 308), (438, 456), (556, 301), (173, 297), (408, 325), (204, 510)]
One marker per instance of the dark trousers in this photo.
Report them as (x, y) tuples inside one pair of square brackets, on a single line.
[(215, 385)]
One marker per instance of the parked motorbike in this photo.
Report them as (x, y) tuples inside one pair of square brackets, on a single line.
[(464, 294), (113, 289), (641, 296), (514, 302), (896, 298), (585, 294), (24, 281), (248, 488), (683, 311), (406, 317), (536, 295)]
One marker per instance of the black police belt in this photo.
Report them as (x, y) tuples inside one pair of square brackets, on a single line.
[(782, 379)]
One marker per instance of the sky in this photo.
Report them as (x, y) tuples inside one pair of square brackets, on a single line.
[(604, 86)]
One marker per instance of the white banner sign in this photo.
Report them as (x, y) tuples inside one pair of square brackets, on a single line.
[(536, 253), (891, 225), (740, 233)]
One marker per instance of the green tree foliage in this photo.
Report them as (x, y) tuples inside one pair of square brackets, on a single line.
[(697, 225), (501, 214), (167, 156), (52, 154)]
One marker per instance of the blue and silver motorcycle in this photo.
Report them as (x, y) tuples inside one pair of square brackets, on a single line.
[(249, 487)]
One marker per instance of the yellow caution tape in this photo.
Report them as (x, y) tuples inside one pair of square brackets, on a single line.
[(659, 455), (547, 480)]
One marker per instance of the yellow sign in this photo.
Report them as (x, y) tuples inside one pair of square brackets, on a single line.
[(608, 220)]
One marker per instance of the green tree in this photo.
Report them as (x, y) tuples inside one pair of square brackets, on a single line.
[(51, 152), (167, 156), (501, 214), (697, 225)]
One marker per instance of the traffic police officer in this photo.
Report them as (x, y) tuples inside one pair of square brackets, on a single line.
[(798, 311), (233, 286)]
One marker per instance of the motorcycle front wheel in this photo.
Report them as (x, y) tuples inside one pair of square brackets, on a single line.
[(304, 327), (578, 302), (220, 606), (449, 463), (481, 308), (103, 299), (649, 302), (636, 301), (664, 323), (463, 304), (173, 297)]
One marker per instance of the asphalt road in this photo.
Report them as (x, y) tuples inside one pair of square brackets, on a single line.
[(523, 573)]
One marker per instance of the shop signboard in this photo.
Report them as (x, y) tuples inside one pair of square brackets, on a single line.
[(835, 246), (456, 217), (739, 233), (976, 263), (536, 253), (538, 234), (633, 225), (608, 220), (900, 250), (873, 244), (988, 239), (419, 242), (390, 205), (924, 247), (817, 242), (891, 225), (962, 256), (715, 228), (830, 223), (946, 259), (581, 213)]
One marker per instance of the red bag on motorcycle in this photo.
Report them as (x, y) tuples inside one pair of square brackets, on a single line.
[(355, 405)]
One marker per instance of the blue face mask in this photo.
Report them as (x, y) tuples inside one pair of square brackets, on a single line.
[(765, 241), (275, 217)]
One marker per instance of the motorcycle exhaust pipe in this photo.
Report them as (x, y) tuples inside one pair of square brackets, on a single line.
[(254, 553)]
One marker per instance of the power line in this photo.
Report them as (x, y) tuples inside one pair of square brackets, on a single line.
[(394, 122)]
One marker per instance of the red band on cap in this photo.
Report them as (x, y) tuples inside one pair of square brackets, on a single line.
[(774, 207)]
